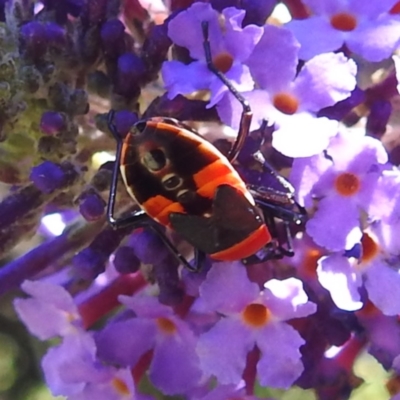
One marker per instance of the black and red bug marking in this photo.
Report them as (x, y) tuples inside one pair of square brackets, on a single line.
[(183, 182)]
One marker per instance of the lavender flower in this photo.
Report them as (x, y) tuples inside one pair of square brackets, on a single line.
[(230, 51), (252, 319), (71, 369), (370, 31), (50, 311), (174, 367), (342, 181), (291, 102)]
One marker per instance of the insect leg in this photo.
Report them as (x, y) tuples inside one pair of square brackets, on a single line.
[(115, 223), (270, 200), (199, 258), (247, 114), (278, 248), (271, 170)]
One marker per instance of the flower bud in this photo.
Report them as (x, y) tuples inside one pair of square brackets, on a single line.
[(49, 176), (130, 72), (379, 115), (148, 247), (112, 37), (126, 261), (55, 35), (124, 120), (34, 38), (92, 206), (52, 123)]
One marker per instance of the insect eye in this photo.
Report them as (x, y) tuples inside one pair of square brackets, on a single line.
[(154, 160)]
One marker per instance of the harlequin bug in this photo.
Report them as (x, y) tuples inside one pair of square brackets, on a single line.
[(183, 182)]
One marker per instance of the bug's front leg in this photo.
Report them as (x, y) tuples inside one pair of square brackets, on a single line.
[(247, 114)]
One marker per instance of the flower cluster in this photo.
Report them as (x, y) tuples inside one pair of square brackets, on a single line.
[(319, 96)]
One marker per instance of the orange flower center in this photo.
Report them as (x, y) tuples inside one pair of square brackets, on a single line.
[(223, 62), (256, 315), (395, 9), (120, 386), (347, 184), (344, 22), (166, 325), (370, 248), (286, 103)]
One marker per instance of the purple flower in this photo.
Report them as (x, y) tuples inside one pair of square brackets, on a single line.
[(50, 311), (49, 177), (72, 369), (377, 271), (291, 100), (91, 206), (342, 180), (174, 367), (230, 49), (52, 123), (252, 319), (367, 29)]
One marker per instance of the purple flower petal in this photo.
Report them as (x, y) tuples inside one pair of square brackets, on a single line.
[(51, 312), (305, 173), (383, 284), (274, 60), (325, 6), (50, 293), (119, 386), (325, 80), (118, 345), (180, 78), (327, 40), (227, 288), (189, 21), (376, 41), (229, 109), (335, 225), (346, 146), (223, 350), (302, 135), (371, 9), (280, 363), (175, 365), (287, 299), (240, 42), (68, 366), (385, 200), (339, 276)]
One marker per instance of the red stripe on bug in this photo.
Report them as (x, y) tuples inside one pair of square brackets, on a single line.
[(159, 208), (215, 174)]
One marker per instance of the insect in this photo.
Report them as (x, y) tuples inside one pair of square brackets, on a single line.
[(183, 182)]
